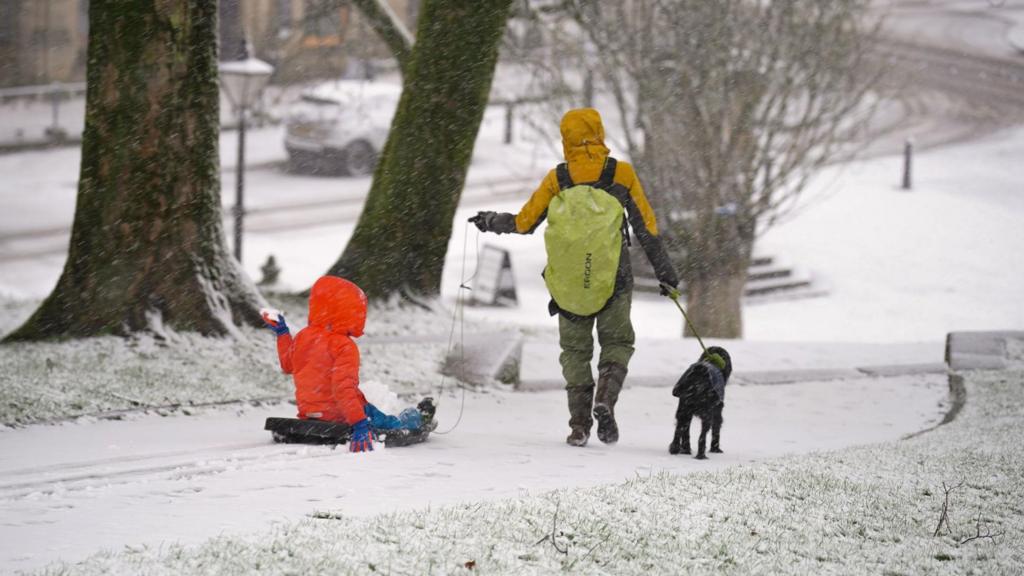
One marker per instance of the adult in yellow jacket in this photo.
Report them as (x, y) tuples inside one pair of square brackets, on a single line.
[(587, 160)]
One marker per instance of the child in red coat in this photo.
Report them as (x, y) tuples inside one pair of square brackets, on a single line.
[(324, 361)]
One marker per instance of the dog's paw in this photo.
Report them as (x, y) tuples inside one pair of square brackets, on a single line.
[(685, 450), (673, 448), (716, 451), (700, 457)]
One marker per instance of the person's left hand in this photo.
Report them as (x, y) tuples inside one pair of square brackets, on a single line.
[(362, 437), (278, 325)]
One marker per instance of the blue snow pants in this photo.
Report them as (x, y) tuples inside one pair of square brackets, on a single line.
[(408, 419)]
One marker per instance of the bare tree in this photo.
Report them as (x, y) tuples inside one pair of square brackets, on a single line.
[(727, 108)]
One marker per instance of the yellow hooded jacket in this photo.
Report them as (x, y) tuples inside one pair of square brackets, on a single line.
[(585, 155)]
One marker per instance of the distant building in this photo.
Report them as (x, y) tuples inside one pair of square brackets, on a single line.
[(310, 38), (44, 41)]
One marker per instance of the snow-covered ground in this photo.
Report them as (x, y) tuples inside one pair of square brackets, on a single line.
[(868, 510), (901, 270), (977, 26), (67, 491)]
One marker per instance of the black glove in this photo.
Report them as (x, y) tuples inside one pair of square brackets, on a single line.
[(484, 220), (497, 222), (669, 289)]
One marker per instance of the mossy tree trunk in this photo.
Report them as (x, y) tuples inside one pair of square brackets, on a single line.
[(147, 249), (402, 236)]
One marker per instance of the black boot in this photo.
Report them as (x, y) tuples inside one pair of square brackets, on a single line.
[(609, 384), (427, 410), (580, 400)]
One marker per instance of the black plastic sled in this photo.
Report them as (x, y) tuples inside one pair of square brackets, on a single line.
[(296, 431)]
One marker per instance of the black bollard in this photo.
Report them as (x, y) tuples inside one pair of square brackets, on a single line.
[(509, 117), (908, 152), (271, 271)]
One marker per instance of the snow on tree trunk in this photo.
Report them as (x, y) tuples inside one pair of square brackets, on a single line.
[(714, 306), (402, 236), (147, 249)]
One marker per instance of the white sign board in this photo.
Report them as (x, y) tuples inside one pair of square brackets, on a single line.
[(494, 284)]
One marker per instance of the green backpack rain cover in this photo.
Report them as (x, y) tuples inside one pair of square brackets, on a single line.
[(584, 242)]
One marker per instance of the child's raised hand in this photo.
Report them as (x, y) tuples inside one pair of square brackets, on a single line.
[(274, 320)]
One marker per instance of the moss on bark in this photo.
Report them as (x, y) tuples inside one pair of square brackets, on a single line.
[(147, 248), (402, 236)]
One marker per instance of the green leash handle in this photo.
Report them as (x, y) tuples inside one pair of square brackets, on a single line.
[(673, 294)]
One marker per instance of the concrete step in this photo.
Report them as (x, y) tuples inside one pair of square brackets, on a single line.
[(766, 276), (995, 350), (767, 271), (779, 282), (776, 284)]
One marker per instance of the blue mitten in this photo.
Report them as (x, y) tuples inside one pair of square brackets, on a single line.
[(277, 325), (362, 438)]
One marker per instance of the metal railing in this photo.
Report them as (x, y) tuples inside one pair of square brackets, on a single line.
[(55, 94)]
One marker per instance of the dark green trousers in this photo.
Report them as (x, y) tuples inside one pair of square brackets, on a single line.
[(614, 334)]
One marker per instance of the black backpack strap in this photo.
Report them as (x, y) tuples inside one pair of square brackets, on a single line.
[(607, 183), (564, 180), (607, 177)]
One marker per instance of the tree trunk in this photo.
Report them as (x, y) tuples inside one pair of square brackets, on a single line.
[(715, 250), (714, 306), (402, 236), (147, 248)]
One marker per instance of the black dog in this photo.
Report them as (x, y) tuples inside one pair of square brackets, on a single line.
[(701, 393)]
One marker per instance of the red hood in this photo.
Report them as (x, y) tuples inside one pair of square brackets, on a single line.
[(337, 305)]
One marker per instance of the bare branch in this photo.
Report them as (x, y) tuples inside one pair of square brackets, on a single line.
[(978, 535), (390, 28), (944, 516), (730, 106)]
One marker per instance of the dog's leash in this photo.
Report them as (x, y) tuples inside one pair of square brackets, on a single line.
[(673, 294)]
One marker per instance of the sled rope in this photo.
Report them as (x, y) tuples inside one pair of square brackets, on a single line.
[(715, 359), (460, 314)]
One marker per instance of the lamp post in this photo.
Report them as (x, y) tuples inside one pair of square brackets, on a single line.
[(243, 81)]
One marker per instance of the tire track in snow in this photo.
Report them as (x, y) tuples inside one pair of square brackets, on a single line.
[(177, 465)]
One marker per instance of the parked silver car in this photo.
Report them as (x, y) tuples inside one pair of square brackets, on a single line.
[(340, 127)]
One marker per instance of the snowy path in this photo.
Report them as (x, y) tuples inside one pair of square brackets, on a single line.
[(68, 491)]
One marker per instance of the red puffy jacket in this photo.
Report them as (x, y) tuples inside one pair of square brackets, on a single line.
[(323, 358)]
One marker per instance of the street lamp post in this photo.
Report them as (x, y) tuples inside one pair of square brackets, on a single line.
[(243, 81)]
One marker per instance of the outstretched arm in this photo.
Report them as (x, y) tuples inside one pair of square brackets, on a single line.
[(274, 320), (529, 217)]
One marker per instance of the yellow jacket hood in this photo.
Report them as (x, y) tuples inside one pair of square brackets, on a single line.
[(583, 136)]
